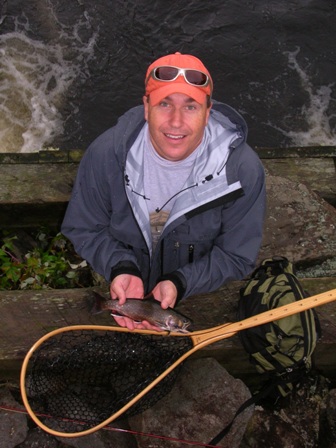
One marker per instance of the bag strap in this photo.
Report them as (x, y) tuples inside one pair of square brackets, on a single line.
[(272, 266)]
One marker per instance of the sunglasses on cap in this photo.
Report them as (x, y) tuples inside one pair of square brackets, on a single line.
[(169, 73)]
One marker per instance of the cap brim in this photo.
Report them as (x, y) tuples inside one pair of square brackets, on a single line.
[(195, 93)]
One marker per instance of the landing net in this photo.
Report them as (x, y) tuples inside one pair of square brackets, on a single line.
[(82, 377)]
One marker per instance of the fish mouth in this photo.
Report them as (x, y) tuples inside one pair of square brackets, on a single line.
[(187, 328), (179, 330)]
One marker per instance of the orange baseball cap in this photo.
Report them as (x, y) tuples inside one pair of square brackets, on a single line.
[(158, 90)]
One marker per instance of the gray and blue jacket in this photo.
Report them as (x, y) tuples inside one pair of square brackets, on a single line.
[(214, 230)]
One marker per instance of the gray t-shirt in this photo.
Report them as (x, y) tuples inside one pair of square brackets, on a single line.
[(163, 180)]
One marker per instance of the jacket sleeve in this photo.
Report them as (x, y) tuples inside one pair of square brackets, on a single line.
[(236, 248), (87, 219)]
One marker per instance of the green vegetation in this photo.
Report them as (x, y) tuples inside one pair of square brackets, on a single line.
[(50, 262)]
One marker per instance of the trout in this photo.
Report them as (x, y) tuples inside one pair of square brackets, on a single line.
[(147, 309)]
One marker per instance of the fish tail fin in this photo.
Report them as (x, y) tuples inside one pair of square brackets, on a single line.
[(99, 304)]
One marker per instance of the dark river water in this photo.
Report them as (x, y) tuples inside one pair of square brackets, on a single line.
[(69, 68)]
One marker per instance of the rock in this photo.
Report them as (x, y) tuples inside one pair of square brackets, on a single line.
[(89, 441), (203, 401), (294, 420), (37, 438), (13, 426), (299, 225), (269, 430), (103, 438), (328, 421)]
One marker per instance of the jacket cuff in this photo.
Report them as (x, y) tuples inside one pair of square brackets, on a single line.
[(179, 281), (124, 267)]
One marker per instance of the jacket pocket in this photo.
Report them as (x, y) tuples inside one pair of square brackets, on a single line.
[(178, 252), (191, 240)]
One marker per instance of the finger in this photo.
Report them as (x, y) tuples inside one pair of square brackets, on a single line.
[(120, 320), (129, 323), (120, 295), (167, 302), (125, 322), (117, 292), (113, 295), (122, 300)]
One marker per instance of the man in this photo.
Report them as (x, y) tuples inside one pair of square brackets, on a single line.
[(171, 200)]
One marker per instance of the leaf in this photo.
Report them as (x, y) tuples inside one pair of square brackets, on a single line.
[(83, 264), (12, 272)]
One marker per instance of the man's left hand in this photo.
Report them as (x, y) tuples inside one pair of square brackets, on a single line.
[(166, 293)]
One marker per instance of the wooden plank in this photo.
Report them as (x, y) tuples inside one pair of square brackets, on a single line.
[(25, 316), (37, 186), (297, 152), (75, 155), (71, 156), (37, 183)]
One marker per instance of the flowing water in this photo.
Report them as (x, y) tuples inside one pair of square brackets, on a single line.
[(69, 68)]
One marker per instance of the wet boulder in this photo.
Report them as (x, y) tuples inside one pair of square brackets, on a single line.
[(293, 421), (13, 425), (203, 401), (300, 225), (328, 421), (37, 438)]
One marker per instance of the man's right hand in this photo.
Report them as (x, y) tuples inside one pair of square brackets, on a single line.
[(126, 286)]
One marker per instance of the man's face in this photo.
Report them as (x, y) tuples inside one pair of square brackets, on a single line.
[(176, 125)]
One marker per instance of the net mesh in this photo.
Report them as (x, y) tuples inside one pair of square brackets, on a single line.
[(82, 377)]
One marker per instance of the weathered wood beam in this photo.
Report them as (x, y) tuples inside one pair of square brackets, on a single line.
[(75, 155), (297, 152), (72, 156), (35, 188), (25, 316)]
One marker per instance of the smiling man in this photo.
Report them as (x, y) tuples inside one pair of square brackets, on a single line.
[(170, 201), (176, 125)]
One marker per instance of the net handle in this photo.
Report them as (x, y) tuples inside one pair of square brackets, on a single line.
[(205, 337), (199, 338)]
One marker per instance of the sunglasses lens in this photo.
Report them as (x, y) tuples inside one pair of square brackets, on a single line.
[(195, 77), (166, 73)]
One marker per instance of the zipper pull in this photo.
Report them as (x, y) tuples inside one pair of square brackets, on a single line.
[(191, 253)]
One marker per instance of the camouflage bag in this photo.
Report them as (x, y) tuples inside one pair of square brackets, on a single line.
[(281, 348)]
